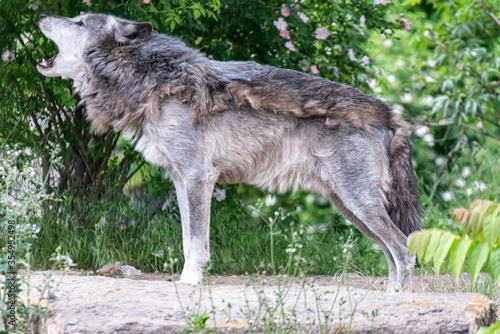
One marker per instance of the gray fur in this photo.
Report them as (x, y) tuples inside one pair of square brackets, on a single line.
[(207, 121)]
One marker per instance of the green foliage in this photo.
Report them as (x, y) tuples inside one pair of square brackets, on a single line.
[(495, 328), (142, 234), (22, 196), (480, 241), (197, 323)]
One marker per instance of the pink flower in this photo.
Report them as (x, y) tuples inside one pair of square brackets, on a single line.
[(285, 34), (314, 69), (322, 33), (352, 55), (407, 25), (285, 11), (230, 45), (280, 24), (8, 56), (210, 57), (303, 17), (365, 60), (290, 46), (87, 2), (82, 13), (147, 1)]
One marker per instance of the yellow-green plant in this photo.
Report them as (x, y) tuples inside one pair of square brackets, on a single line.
[(479, 242)]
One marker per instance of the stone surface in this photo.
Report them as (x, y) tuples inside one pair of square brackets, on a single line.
[(96, 304)]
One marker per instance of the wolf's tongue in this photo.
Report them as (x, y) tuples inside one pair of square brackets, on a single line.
[(47, 63)]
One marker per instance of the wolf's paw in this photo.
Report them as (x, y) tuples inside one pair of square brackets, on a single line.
[(190, 278), (400, 286)]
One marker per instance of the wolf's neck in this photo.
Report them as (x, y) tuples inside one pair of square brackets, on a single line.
[(82, 81), (108, 104)]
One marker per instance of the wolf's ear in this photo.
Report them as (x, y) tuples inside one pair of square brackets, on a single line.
[(133, 32)]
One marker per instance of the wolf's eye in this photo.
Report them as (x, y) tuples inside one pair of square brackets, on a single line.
[(80, 23)]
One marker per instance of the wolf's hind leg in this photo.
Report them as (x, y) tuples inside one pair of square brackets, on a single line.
[(365, 230), (375, 222), (194, 196), (358, 177)]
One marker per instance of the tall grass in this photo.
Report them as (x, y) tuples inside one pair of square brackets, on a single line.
[(146, 233)]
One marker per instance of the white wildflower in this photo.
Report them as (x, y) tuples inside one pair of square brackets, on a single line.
[(270, 200), (362, 21), (481, 186), (429, 139), (406, 98), (429, 100), (439, 161), (421, 130), (447, 196), (465, 172)]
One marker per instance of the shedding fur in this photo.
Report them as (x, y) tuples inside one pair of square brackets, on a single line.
[(165, 67)]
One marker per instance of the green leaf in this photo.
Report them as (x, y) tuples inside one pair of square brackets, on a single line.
[(482, 213), (495, 328), (477, 258), (491, 227), (155, 24), (412, 241), (495, 264), (421, 244), (458, 253), (442, 250), (432, 246)]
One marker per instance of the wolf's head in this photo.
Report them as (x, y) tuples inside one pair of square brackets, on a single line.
[(73, 37)]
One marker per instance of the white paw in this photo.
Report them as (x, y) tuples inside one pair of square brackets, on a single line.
[(190, 278)]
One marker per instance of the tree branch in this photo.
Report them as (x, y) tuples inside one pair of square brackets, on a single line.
[(487, 134), (489, 12)]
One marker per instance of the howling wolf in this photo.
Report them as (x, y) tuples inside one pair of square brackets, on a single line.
[(207, 121)]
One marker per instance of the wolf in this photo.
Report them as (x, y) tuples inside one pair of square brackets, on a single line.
[(207, 121)]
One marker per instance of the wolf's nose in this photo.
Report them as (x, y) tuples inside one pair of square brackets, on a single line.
[(43, 15)]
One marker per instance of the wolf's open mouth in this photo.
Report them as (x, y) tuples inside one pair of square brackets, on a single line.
[(47, 63)]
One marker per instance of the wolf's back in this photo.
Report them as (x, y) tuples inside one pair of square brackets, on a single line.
[(404, 199)]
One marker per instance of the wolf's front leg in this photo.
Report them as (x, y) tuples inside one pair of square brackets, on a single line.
[(194, 196)]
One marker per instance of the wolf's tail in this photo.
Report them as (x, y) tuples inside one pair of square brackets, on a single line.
[(404, 200)]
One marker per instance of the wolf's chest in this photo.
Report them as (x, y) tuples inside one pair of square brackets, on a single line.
[(170, 141)]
